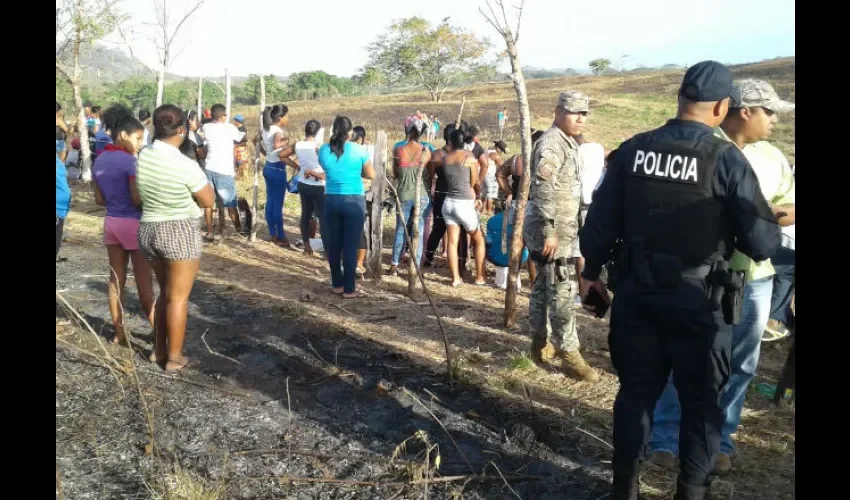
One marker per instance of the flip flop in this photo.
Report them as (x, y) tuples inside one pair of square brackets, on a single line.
[(774, 334), (357, 295)]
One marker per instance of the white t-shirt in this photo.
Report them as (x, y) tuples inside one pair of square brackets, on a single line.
[(308, 159), (219, 138), (592, 156), (268, 143)]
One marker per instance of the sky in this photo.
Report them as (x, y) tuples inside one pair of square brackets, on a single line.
[(281, 37)]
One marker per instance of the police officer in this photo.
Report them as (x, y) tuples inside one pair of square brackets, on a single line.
[(550, 230), (675, 202)]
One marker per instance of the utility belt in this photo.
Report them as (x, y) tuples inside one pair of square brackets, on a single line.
[(560, 268), (657, 270)]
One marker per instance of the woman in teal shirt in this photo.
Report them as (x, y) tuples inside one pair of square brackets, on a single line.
[(346, 165)]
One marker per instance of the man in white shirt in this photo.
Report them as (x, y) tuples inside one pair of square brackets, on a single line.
[(220, 137)]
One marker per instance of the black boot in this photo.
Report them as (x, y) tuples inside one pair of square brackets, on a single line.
[(690, 492), (626, 484)]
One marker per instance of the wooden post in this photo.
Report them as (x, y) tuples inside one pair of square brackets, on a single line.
[(460, 112), (200, 98), (254, 215), (376, 236), (227, 93)]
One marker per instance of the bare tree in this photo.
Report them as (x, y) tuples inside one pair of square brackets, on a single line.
[(163, 34), (80, 22), (511, 39)]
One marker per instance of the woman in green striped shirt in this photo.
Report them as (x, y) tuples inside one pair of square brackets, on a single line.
[(173, 191)]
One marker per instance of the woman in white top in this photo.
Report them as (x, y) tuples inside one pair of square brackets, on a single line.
[(277, 149), (311, 183)]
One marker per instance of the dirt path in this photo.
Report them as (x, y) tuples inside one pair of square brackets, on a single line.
[(357, 372)]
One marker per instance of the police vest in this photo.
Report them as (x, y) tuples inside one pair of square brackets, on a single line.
[(670, 201)]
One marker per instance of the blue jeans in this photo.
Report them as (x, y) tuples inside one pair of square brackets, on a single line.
[(746, 346), (344, 217), (225, 188), (276, 184), (403, 216), (783, 284)]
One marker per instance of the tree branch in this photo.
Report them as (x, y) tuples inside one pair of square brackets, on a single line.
[(518, 21), (197, 6), (493, 20), (501, 5), (130, 48), (66, 72), (490, 20)]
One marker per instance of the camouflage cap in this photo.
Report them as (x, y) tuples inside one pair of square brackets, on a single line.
[(758, 93), (574, 101)]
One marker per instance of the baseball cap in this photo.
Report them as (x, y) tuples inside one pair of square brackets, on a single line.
[(574, 101), (758, 93), (707, 81), (239, 118)]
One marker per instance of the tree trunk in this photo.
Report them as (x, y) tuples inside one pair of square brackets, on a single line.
[(160, 85), (519, 212), (85, 151), (227, 93), (414, 238), (254, 218), (200, 97), (376, 236)]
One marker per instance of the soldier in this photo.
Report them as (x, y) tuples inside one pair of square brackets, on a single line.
[(680, 200), (550, 231)]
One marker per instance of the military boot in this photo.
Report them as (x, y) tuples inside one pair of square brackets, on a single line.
[(574, 365), (626, 483), (540, 353)]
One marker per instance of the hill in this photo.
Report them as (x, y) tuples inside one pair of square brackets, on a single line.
[(103, 64), (622, 104)]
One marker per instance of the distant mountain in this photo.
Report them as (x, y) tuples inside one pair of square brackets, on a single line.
[(101, 64)]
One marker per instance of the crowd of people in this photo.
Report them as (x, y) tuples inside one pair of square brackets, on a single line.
[(652, 210)]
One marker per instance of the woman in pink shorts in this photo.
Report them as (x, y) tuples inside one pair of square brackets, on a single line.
[(114, 175)]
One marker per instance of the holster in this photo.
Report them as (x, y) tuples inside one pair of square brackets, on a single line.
[(726, 291), (559, 268), (733, 300)]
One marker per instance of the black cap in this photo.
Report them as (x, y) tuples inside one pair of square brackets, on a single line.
[(707, 81)]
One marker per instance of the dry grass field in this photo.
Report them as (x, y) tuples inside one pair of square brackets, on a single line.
[(265, 327)]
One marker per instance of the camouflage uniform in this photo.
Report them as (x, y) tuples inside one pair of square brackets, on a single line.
[(553, 209)]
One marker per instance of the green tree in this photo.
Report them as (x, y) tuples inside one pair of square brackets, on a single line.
[(78, 23), (432, 56), (599, 66), (371, 77), (275, 91)]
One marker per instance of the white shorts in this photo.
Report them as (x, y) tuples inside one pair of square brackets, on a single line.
[(461, 213)]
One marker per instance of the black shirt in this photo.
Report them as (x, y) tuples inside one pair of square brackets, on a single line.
[(754, 230)]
